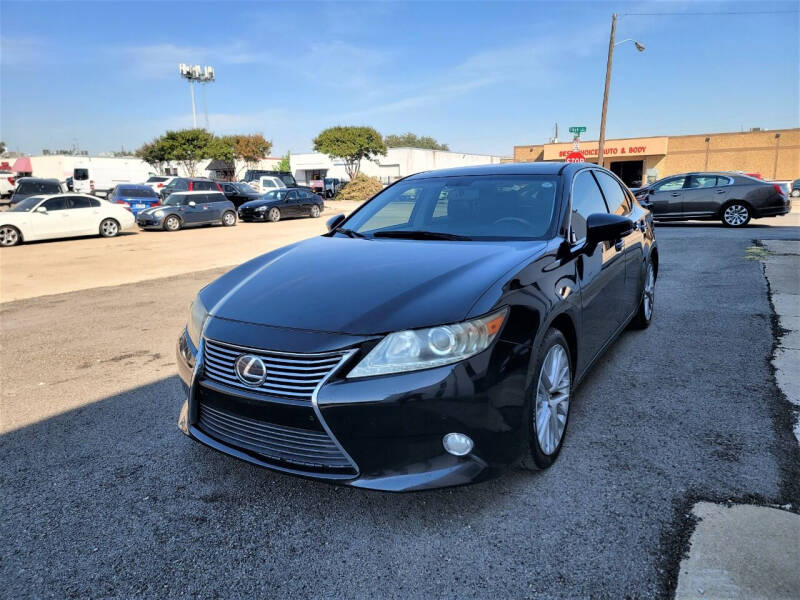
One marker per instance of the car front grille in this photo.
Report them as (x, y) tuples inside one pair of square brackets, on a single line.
[(290, 447), (293, 376)]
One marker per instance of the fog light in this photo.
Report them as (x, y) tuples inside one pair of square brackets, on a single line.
[(457, 444)]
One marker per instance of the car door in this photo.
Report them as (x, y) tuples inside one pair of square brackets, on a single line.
[(54, 221), (665, 198), (291, 204), (192, 209), (304, 202), (217, 202), (84, 219), (601, 269), (620, 203), (704, 195)]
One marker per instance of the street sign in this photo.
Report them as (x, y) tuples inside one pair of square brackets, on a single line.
[(575, 157), (578, 130)]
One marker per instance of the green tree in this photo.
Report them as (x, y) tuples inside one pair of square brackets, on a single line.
[(411, 140), (189, 146), (250, 148), (285, 166), (154, 153), (351, 144)]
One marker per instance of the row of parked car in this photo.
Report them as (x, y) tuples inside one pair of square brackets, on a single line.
[(42, 210)]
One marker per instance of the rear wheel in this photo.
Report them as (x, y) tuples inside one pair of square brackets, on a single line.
[(735, 214), (9, 236), (274, 215), (548, 413), (645, 314), (314, 211), (109, 228), (172, 223), (795, 193), (229, 219)]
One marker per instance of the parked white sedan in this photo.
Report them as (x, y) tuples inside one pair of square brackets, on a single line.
[(62, 215)]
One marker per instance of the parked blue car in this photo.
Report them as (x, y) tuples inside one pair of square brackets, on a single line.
[(135, 197)]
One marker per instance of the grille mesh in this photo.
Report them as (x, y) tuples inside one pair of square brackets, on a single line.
[(288, 375)]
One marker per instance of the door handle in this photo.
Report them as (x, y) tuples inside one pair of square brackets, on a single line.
[(675, 194), (619, 245), (721, 191)]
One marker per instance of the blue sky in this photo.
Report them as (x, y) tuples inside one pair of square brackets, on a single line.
[(482, 77)]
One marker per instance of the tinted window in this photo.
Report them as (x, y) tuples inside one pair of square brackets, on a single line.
[(203, 185), (228, 188), (181, 185), (95, 203), (218, 197), (586, 200), (703, 181), (156, 179), (670, 184), (27, 204), (292, 195), (38, 187), (135, 192), (79, 202), (616, 199), (267, 183), (59, 203), (80, 174), (476, 207)]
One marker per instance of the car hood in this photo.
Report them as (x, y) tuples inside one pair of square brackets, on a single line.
[(364, 286), (258, 202), (153, 209)]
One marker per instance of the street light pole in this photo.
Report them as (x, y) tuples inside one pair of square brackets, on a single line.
[(194, 112), (602, 142)]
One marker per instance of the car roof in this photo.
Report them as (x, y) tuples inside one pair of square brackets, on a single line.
[(528, 168), (195, 192), (134, 185), (43, 179)]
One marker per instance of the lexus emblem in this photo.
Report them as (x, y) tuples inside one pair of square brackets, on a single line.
[(250, 370)]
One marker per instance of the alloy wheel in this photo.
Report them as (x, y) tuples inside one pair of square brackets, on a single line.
[(736, 215), (109, 228), (552, 399), (173, 223), (8, 236), (274, 214), (649, 292), (228, 218), (315, 211)]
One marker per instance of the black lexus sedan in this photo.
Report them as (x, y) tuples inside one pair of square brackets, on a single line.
[(277, 204), (432, 338), (238, 192), (732, 198)]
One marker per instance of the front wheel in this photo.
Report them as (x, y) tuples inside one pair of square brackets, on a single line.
[(548, 413), (645, 314), (172, 223), (9, 236), (314, 211), (735, 214), (109, 228), (229, 219), (795, 194), (274, 215)]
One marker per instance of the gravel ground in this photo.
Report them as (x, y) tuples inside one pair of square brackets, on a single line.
[(103, 497)]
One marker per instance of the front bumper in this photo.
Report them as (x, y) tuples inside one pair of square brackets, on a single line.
[(251, 215), (389, 427), (149, 222)]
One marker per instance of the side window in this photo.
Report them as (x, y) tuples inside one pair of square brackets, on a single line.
[(616, 199), (95, 203), (79, 202), (228, 188), (671, 184), (721, 180), (292, 195), (182, 186), (703, 181), (218, 197), (59, 203), (268, 184), (586, 200)]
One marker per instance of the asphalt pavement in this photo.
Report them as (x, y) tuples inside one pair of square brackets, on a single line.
[(104, 497)]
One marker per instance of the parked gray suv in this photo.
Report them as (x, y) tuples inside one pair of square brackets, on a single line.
[(732, 198)]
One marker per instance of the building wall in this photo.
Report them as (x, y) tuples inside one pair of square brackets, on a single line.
[(398, 162), (751, 152)]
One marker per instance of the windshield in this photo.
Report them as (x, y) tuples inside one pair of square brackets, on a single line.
[(155, 179), (274, 195), (80, 174), (467, 207), (130, 192), (38, 187), (27, 205), (243, 188), (287, 179)]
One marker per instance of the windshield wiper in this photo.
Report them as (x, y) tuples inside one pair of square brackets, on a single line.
[(350, 233), (421, 235)]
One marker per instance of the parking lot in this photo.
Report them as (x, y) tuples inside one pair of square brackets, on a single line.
[(104, 497)]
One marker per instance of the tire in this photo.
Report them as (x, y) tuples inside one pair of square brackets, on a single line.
[(9, 236), (228, 218), (172, 223), (315, 211), (735, 214), (553, 361), (795, 194), (109, 228), (645, 313), (328, 194), (273, 215)]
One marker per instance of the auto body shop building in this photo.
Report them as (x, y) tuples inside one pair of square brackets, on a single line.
[(773, 154)]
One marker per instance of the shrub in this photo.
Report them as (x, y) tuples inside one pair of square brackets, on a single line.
[(361, 188)]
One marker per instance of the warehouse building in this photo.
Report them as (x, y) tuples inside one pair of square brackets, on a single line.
[(772, 154)]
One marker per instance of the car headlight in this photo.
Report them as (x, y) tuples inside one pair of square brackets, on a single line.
[(425, 348), (261, 209), (158, 214), (197, 319)]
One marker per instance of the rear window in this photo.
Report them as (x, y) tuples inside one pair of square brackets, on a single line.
[(218, 197), (128, 192), (156, 179), (38, 187), (80, 174)]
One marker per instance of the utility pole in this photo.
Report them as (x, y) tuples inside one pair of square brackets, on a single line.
[(194, 112), (602, 142)]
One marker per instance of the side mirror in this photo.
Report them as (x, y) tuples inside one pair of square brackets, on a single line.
[(651, 191), (192, 203), (334, 222), (42, 209), (603, 227)]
